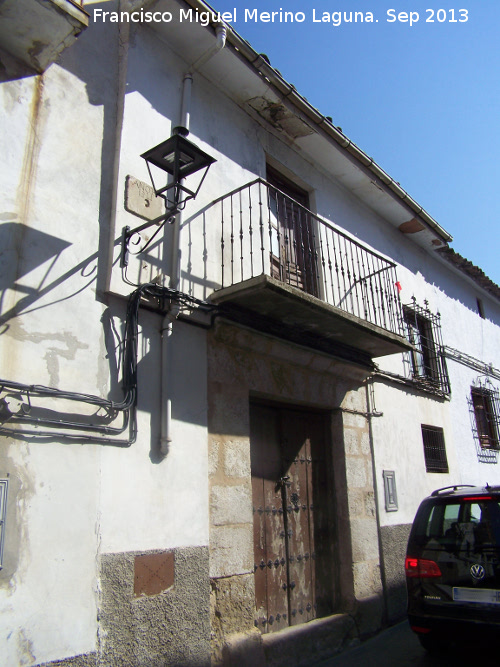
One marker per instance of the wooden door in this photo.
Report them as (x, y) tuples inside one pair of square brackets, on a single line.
[(293, 252), (293, 571), (270, 559)]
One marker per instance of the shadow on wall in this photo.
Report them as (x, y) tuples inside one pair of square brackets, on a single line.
[(12, 69), (397, 602), (93, 59), (99, 60), (96, 59), (24, 249), (116, 60), (195, 265), (43, 414), (394, 541)]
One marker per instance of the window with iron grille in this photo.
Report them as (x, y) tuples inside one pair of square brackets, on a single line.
[(427, 364), (434, 449), (484, 408), (486, 420)]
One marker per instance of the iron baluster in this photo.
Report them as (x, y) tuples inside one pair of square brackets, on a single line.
[(329, 278), (281, 253), (396, 303), (301, 252), (323, 267), (302, 280), (250, 230), (374, 293), (370, 292), (294, 245), (374, 296), (338, 271), (242, 272), (381, 283), (349, 278), (355, 279), (270, 226), (288, 247), (343, 294), (314, 255), (307, 252), (232, 240), (261, 227), (310, 270), (384, 297), (388, 294), (367, 268)]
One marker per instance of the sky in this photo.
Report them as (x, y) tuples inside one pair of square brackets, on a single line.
[(421, 97)]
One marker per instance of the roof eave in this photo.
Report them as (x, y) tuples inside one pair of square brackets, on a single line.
[(323, 124)]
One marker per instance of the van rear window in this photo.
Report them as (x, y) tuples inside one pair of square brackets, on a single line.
[(469, 523)]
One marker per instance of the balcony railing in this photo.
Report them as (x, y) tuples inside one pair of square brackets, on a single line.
[(263, 231)]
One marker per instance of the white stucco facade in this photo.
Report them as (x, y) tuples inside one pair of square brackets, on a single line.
[(79, 511)]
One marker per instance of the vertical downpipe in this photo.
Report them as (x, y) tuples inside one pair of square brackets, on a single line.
[(174, 281), (371, 412), (166, 390)]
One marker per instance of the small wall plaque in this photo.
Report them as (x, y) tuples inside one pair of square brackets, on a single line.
[(140, 199), (391, 496), (153, 573)]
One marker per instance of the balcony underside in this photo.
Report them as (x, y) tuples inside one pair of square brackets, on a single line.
[(269, 305), (35, 32)]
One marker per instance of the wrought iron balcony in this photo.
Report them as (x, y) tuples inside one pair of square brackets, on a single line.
[(282, 262)]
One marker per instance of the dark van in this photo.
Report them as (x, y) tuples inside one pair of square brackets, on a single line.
[(453, 567)]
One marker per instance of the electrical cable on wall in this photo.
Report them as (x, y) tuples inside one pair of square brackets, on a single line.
[(90, 432)]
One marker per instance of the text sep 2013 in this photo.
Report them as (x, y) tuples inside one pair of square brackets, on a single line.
[(253, 15)]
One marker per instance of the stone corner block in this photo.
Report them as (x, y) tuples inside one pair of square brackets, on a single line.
[(231, 505), (244, 650), (231, 550)]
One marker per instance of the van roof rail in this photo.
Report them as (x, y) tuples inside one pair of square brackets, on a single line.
[(450, 489)]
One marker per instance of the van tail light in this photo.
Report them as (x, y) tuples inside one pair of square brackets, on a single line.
[(421, 568)]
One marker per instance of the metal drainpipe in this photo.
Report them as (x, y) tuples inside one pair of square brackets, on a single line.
[(372, 412), (171, 316), (165, 388)]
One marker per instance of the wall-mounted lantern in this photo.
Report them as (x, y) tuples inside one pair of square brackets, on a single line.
[(178, 158)]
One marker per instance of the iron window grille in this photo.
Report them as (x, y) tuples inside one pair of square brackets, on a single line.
[(434, 449), (426, 363), (484, 410)]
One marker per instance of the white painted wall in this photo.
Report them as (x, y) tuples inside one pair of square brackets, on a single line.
[(147, 505), (220, 126), (77, 501), (399, 430), (72, 502), (48, 586)]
